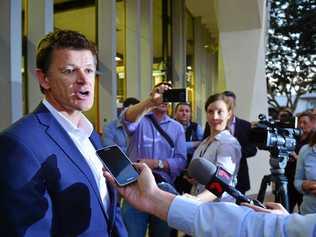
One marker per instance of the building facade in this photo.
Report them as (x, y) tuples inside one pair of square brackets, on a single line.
[(206, 46)]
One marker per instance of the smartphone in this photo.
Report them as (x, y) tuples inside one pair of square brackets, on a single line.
[(175, 95), (118, 164)]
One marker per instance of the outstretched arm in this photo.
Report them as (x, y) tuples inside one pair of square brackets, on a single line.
[(134, 112)]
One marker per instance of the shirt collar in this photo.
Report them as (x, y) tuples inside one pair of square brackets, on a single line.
[(165, 118), (119, 123), (84, 129), (234, 120)]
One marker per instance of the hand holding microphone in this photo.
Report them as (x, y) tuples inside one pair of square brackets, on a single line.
[(216, 180)]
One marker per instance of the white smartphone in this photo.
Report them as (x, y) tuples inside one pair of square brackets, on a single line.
[(118, 164)]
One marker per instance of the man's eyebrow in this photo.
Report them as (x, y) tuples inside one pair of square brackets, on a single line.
[(76, 66)]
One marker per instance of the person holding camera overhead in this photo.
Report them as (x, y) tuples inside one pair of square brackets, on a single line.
[(159, 141), (219, 147)]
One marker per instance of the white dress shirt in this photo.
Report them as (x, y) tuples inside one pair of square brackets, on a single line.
[(80, 136), (214, 219)]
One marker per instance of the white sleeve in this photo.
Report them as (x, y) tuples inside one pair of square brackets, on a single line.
[(228, 219)]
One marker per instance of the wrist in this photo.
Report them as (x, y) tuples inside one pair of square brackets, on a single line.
[(149, 102), (160, 202)]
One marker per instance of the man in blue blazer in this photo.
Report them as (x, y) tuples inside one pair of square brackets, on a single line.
[(51, 181)]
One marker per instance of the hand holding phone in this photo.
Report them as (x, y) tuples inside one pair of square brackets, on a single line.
[(118, 164)]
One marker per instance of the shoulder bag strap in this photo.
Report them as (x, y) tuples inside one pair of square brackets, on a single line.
[(160, 130)]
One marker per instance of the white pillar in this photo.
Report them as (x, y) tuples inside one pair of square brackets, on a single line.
[(133, 48), (198, 69), (178, 43), (242, 30), (146, 48), (10, 62), (106, 13), (40, 22)]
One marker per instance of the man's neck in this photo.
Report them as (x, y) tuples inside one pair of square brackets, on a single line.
[(73, 116)]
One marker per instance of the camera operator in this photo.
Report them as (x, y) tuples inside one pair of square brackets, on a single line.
[(211, 219), (306, 122)]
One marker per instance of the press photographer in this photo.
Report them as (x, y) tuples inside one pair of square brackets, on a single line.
[(306, 122)]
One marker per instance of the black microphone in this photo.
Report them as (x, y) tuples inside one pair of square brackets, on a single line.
[(216, 180)]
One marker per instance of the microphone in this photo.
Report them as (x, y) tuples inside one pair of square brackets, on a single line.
[(216, 180)]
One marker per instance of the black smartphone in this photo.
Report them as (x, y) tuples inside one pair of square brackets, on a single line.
[(175, 95), (118, 164)]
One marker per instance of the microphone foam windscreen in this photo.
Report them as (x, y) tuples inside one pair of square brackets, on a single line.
[(202, 170)]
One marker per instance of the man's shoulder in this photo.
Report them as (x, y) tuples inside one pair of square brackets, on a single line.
[(175, 123), (113, 123), (225, 137), (27, 122), (242, 122)]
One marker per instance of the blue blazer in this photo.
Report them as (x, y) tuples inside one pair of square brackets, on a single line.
[(46, 186)]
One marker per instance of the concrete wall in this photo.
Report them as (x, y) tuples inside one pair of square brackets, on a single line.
[(241, 38)]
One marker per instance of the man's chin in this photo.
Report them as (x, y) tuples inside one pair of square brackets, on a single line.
[(85, 107)]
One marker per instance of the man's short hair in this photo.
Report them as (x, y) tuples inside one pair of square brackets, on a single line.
[(61, 39), (182, 103), (130, 101)]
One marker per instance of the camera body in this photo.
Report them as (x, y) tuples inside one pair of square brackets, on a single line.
[(276, 138), (175, 95)]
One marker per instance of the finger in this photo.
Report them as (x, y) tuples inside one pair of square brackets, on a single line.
[(255, 208), (109, 178), (140, 166), (274, 205)]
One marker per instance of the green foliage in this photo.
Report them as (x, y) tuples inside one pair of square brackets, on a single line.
[(291, 50)]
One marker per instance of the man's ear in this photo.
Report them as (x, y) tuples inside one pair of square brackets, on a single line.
[(42, 79)]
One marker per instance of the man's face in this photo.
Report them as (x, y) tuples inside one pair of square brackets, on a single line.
[(183, 114), (69, 82), (162, 108)]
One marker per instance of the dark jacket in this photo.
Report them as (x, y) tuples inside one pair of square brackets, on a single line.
[(248, 149)]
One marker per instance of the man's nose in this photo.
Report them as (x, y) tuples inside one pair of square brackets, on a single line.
[(82, 77)]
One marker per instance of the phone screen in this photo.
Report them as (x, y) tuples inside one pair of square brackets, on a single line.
[(118, 165)]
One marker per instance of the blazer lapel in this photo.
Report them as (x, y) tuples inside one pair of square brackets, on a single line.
[(62, 139)]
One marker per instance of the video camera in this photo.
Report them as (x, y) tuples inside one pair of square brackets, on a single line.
[(274, 137)]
